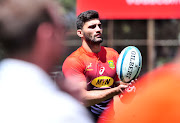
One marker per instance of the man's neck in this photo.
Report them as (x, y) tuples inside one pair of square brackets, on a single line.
[(91, 47)]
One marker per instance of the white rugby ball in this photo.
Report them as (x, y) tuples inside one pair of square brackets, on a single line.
[(129, 64)]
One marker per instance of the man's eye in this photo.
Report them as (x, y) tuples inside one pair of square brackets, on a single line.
[(92, 26)]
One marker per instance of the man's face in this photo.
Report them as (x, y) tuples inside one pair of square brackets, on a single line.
[(92, 31)]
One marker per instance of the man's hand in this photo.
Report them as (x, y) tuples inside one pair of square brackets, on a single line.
[(122, 87), (129, 92)]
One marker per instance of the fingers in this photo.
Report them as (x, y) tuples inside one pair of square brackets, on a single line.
[(126, 87), (133, 81), (122, 87), (121, 90)]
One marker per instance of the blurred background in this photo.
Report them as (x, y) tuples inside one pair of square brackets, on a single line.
[(152, 26)]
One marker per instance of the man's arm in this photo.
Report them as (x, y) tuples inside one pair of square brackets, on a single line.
[(75, 73), (96, 96)]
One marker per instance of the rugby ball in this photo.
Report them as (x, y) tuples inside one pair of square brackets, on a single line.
[(129, 64)]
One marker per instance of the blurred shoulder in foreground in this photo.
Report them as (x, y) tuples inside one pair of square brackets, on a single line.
[(31, 35), (157, 99)]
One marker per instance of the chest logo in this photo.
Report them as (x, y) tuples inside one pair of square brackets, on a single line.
[(101, 71), (111, 64), (88, 67), (102, 81)]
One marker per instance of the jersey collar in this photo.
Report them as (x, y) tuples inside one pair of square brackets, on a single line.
[(91, 54)]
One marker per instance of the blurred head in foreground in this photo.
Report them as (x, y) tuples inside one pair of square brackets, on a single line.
[(31, 30), (31, 33)]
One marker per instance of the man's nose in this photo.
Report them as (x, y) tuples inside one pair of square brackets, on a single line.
[(98, 29)]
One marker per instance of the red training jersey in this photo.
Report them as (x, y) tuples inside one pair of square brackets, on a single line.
[(97, 69)]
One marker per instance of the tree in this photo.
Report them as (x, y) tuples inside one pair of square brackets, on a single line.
[(68, 5)]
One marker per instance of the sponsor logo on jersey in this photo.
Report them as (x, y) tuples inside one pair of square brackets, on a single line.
[(102, 81), (111, 64), (101, 71), (88, 67)]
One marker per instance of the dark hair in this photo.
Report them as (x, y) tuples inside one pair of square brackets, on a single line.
[(86, 16), (21, 39)]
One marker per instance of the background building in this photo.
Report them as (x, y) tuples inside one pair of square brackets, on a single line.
[(153, 26)]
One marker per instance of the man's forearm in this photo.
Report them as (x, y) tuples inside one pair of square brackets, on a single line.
[(96, 96)]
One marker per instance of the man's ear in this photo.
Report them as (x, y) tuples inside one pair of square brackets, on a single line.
[(80, 33), (45, 31)]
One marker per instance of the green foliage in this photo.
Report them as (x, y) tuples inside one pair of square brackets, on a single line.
[(69, 5)]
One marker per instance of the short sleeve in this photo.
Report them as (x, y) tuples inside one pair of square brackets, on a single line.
[(73, 69)]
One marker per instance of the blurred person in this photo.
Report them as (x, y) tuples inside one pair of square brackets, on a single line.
[(31, 33), (93, 66), (157, 97)]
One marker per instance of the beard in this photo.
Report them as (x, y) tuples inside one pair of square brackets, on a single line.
[(93, 39)]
